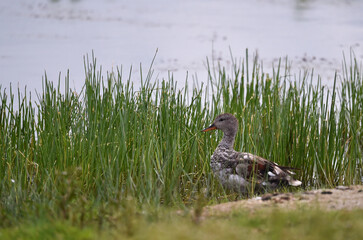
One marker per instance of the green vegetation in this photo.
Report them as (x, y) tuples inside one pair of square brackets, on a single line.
[(78, 157), (274, 224)]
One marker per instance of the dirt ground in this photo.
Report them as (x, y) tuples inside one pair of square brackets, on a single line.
[(341, 197)]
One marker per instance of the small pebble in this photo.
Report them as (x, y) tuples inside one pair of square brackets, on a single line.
[(326, 192), (342, 188), (308, 193), (266, 197), (285, 198)]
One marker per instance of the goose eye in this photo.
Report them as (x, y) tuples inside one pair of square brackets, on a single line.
[(222, 119)]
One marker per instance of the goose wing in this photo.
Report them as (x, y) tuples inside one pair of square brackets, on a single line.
[(251, 166)]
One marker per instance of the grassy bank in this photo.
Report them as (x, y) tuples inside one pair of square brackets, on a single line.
[(274, 224), (68, 155)]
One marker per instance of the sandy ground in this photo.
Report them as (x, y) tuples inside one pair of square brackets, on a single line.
[(341, 197)]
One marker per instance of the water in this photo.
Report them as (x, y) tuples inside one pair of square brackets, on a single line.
[(53, 36)]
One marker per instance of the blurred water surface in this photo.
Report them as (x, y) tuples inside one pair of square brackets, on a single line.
[(53, 36)]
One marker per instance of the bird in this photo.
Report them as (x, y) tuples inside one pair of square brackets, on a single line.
[(244, 172)]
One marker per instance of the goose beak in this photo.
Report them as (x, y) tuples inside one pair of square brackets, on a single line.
[(210, 128)]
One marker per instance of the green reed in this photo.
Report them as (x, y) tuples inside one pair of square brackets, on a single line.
[(112, 141)]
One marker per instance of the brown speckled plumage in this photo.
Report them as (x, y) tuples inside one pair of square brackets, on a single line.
[(239, 170)]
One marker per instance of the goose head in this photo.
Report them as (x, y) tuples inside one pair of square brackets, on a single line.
[(226, 122)]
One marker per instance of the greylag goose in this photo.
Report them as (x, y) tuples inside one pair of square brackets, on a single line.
[(240, 171)]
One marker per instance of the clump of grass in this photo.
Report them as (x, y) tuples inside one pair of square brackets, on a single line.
[(114, 141), (296, 122)]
